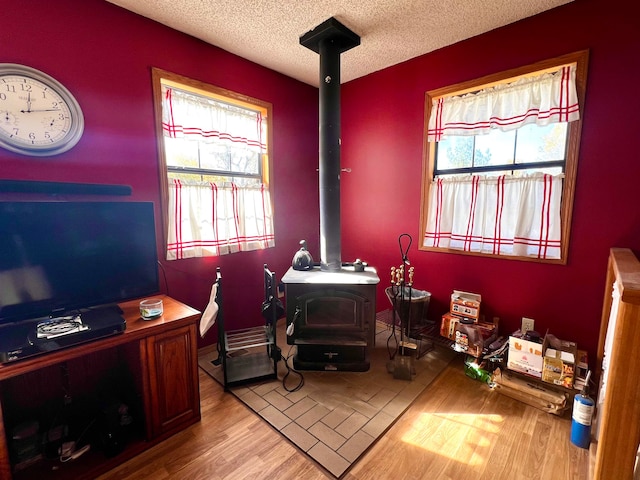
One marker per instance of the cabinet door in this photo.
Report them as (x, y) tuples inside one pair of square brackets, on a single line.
[(174, 399), (5, 464)]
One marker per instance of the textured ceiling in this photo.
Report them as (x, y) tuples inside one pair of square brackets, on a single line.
[(267, 32)]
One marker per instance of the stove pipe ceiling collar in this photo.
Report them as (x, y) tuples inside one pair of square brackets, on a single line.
[(329, 40)]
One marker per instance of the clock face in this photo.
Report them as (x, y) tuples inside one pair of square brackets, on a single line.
[(38, 115)]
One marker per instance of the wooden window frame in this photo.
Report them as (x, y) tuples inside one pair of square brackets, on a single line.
[(580, 59), (198, 87)]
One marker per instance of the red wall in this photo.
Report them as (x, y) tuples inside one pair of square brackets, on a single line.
[(104, 55), (382, 132)]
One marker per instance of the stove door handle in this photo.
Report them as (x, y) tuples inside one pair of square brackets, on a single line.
[(296, 316)]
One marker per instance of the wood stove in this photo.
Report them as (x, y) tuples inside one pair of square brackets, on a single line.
[(330, 307), (331, 317)]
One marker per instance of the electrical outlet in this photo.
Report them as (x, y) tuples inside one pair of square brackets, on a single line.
[(528, 324)]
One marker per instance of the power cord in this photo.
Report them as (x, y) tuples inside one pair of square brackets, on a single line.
[(68, 449), (70, 453), (164, 276), (291, 370)]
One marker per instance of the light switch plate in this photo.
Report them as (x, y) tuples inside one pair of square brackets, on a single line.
[(528, 324)]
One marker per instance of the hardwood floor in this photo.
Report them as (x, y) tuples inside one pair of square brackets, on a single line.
[(457, 429)]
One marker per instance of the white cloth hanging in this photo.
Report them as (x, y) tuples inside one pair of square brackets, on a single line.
[(210, 314), (542, 100), (208, 219), (500, 215), (204, 119)]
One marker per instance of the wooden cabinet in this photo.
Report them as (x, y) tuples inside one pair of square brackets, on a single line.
[(617, 427), (173, 379), (154, 360)]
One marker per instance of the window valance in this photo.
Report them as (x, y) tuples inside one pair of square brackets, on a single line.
[(542, 99), (190, 116)]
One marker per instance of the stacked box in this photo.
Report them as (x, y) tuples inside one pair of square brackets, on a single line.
[(471, 338), (448, 326), (465, 304), (582, 368), (559, 364), (525, 357), (532, 392)]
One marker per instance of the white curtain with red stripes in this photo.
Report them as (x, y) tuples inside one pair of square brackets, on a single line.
[(186, 115), (501, 215), (542, 99), (206, 219)]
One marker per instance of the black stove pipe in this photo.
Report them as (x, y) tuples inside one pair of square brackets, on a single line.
[(329, 169), (329, 40)]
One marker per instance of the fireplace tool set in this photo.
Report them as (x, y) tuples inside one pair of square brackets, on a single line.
[(408, 307)]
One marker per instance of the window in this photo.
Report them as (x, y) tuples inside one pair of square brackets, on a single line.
[(214, 163), (529, 149), (500, 162)]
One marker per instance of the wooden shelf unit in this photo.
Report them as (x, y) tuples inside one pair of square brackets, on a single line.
[(617, 427), (161, 358)]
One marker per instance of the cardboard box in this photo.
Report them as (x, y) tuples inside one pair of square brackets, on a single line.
[(532, 392), (472, 338), (465, 304), (582, 368), (468, 340), (525, 357), (559, 363), (448, 326)]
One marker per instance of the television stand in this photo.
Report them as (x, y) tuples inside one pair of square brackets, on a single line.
[(156, 359)]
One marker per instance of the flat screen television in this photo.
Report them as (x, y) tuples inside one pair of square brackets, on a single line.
[(56, 257)]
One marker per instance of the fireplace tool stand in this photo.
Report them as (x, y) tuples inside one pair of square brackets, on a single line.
[(409, 308), (399, 293)]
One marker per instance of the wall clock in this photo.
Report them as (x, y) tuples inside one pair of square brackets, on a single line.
[(38, 115)]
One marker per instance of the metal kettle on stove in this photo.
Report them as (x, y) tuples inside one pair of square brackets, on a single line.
[(302, 260)]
